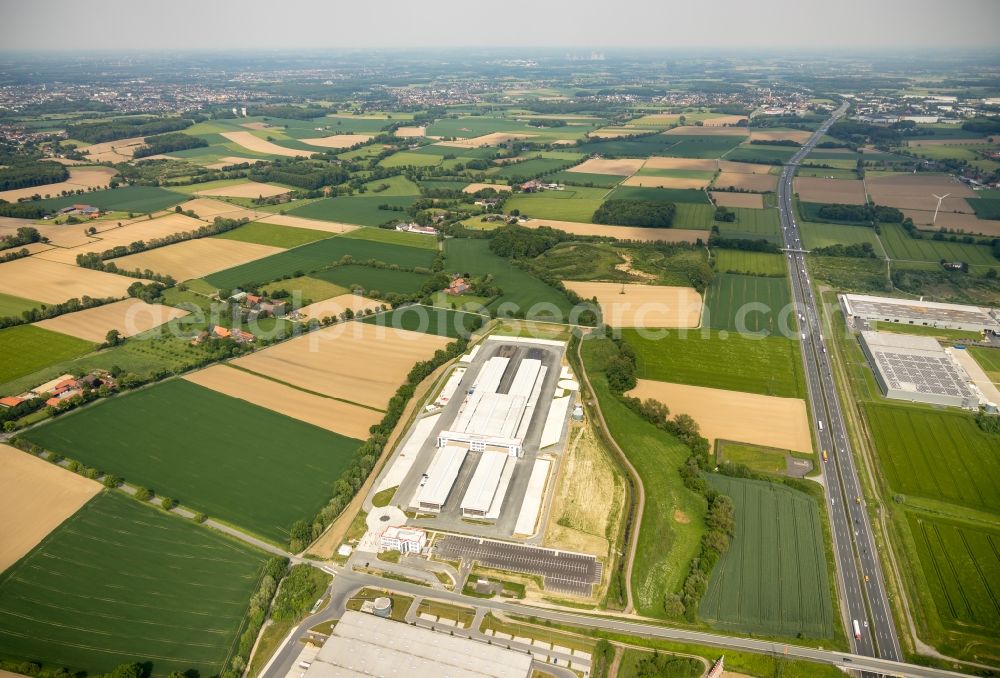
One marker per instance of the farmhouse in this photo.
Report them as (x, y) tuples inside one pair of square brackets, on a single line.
[(366, 645), (917, 369), (417, 228), (925, 313), (457, 286)]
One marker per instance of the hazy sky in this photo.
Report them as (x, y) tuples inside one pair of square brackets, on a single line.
[(231, 24)]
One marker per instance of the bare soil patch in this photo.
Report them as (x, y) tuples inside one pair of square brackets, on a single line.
[(622, 232), (838, 191), (250, 189), (231, 160), (360, 362), (799, 135), (633, 305), (54, 283), (751, 200), (615, 132), (744, 167), (334, 306), (681, 517), (333, 415), (762, 183), (121, 150), (494, 139), (732, 415), (724, 120), (917, 191), (248, 141), (196, 258), (969, 223), (338, 140), (473, 188), (302, 222), (411, 132), (129, 317), (626, 267), (620, 166), (665, 182), (35, 498), (698, 164), (79, 177), (207, 209), (113, 235)]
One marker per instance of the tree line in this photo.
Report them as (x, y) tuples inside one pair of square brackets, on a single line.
[(168, 143), (31, 173), (645, 213), (123, 128)]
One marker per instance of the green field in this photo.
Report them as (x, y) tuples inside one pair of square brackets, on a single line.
[(711, 146), (215, 454), (529, 169), (901, 246), (363, 210), (672, 519), (675, 195), (986, 208), (755, 457), (749, 263), (406, 158), (938, 455), (695, 216), (429, 320), (640, 147), (989, 360), (138, 199), (769, 366), (815, 235), (521, 291), (961, 565), (397, 185), (572, 204), (275, 236), (119, 583), (11, 306), (762, 153), (383, 280), (319, 255), (772, 580), (25, 349), (751, 223), (585, 178), (390, 235), (748, 303)]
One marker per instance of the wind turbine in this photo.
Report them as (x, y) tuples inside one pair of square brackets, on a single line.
[(940, 199)]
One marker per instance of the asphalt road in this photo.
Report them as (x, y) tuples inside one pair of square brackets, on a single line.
[(348, 582), (861, 583)]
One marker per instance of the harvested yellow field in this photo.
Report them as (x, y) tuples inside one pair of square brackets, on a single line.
[(472, 188), (302, 222), (113, 235), (958, 221), (54, 283), (252, 143), (334, 306), (620, 166), (231, 160), (733, 415), (761, 183), (798, 135), (724, 120), (697, 164), (195, 258), (699, 131), (129, 317), (917, 191), (333, 415), (614, 132), (655, 120), (113, 151), (494, 139), (338, 140), (79, 178), (650, 181), (207, 209), (725, 199), (633, 305), (35, 498), (60, 236), (839, 191), (744, 167), (411, 132), (358, 362), (621, 232), (249, 189)]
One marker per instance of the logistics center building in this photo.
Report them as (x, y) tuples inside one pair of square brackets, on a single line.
[(924, 313)]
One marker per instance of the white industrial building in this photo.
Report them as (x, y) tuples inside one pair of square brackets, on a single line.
[(402, 539), (484, 497), (917, 369), (365, 645), (441, 475), (922, 313), (490, 420)]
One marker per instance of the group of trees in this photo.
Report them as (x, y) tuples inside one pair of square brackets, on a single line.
[(647, 213), (863, 250), (724, 214), (860, 213), (22, 210), (168, 143), (307, 174), (742, 244), (25, 235), (25, 174), (220, 225), (123, 128), (274, 570), (51, 311), (519, 242)]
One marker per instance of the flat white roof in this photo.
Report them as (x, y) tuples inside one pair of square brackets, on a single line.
[(875, 308), (408, 454), (525, 340), (404, 533), (532, 503), (524, 380), (483, 486), (365, 645), (554, 420), (441, 474)]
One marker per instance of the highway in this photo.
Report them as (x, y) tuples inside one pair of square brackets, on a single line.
[(859, 572)]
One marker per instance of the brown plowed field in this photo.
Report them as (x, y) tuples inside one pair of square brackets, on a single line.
[(837, 191), (763, 183), (751, 200), (652, 306)]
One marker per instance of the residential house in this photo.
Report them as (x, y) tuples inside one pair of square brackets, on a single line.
[(10, 401), (458, 286)]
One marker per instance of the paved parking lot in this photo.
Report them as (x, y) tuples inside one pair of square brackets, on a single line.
[(562, 572)]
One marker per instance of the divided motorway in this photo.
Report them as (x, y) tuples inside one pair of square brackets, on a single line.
[(860, 573)]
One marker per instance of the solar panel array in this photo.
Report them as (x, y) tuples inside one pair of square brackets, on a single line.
[(922, 373)]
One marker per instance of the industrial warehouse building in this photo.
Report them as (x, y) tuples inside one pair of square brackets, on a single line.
[(924, 313), (917, 369), (441, 474), (365, 645)]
